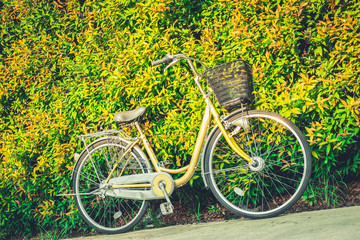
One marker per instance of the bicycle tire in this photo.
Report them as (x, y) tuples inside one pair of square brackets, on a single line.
[(104, 213), (281, 169)]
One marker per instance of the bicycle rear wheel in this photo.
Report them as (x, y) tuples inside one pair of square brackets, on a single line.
[(105, 213), (280, 171)]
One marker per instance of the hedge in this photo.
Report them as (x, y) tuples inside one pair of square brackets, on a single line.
[(66, 67)]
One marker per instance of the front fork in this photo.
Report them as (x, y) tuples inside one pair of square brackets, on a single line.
[(228, 137)]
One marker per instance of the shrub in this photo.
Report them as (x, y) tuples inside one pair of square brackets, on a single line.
[(67, 67)]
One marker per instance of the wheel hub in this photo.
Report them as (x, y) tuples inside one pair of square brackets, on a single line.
[(257, 165), (103, 187)]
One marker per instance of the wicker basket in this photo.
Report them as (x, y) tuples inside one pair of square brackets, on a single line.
[(231, 83)]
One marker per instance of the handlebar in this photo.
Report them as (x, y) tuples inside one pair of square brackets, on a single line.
[(166, 59), (172, 59)]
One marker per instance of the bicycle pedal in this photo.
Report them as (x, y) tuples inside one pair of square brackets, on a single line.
[(166, 208)]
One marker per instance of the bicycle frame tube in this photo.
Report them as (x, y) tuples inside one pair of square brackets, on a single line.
[(197, 149), (190, 169)]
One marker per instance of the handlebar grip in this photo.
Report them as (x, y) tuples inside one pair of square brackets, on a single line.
[(165, 59)]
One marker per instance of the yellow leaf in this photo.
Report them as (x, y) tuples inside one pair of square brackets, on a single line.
[(315, 154)]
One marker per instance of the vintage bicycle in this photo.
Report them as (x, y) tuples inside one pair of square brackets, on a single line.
[(256, 163)]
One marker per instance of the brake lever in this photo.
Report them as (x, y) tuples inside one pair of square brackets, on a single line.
[(172, 63)]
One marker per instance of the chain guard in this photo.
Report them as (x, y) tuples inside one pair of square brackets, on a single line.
[(152, 191)]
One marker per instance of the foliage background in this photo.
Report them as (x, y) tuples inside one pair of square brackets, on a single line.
[(67, 66)]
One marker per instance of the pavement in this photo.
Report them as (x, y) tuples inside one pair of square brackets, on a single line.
[(339, 224)]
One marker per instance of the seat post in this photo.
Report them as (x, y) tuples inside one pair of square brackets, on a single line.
[(139, 129), (148, 148)]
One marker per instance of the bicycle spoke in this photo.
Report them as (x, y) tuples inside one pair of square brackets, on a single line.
[(286, 178), (106, 213), (266, 186), (289, 169), (254, 139), (284, 185), (88, 178)]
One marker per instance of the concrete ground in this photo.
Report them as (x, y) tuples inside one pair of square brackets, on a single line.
[(339, 224)]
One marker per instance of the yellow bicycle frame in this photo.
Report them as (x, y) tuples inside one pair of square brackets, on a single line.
[(190, 169)]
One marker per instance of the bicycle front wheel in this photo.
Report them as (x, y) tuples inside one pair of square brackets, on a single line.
[(279, 173), (105, 213)]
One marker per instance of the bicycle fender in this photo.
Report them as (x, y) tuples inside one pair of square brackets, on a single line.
[(77, 156)]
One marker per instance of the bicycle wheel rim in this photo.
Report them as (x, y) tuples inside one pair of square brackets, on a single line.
[(241, 196), (104, 213)]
